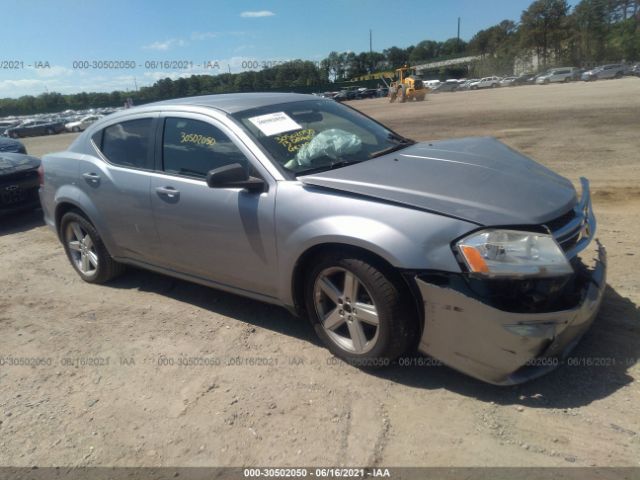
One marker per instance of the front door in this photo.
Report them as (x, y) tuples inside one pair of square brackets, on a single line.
[(222, 235)]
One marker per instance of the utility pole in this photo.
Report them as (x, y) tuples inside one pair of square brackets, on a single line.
[(370, 51), (458, 41)]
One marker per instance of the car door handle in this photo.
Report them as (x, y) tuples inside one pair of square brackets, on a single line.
[(91, 177), (169, 192)]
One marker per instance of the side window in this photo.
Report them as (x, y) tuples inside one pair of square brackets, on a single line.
[(192, 148), (127, 144)]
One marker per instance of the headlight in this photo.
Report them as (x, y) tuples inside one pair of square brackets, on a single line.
[(512, 253)]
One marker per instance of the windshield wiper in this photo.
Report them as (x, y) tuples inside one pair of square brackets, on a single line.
[(400, 141), (392, 148), (331, 166)]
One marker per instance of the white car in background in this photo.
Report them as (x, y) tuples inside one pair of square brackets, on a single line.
[(556, 75), (82, 124), (431, 83), (507, 81), (486, 82)]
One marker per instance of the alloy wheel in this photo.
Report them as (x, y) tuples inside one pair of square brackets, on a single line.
[(82, 249), (346, 310)]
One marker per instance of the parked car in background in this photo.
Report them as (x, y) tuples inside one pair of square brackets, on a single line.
[(577, 74), (19, 182), (431, 83), (486, 82), (6, 124), (33, 128), (525, 79), (367, 93), (508, 81), (556, 75), (464, 249), (448, 86), (616, 70), (635, 70), (11, 146), (466, 85), (82, 124)]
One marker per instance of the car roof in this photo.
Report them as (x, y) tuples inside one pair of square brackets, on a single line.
[(237, 102)]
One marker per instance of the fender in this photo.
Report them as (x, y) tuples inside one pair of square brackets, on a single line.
[(408, 238), (71, 194)]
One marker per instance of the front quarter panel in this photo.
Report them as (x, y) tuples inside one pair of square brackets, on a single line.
[(406, 238)]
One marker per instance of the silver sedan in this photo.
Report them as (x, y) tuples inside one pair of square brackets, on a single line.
[(462, 249)]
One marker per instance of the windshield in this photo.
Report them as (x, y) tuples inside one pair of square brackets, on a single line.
[(315, 135)]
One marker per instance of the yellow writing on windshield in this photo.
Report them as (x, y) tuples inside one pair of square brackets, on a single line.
[(293, 141)]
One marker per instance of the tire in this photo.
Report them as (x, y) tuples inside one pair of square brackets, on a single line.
[(494, 85), (618, 75), (86, 250), (567, 80), (347, 325), (14, 135), (49, 131), (75, 129), (402, 94)]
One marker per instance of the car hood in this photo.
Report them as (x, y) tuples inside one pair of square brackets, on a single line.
[(480, 180), (16, 162)]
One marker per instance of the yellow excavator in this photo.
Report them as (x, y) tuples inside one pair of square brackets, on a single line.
[(407, 87)]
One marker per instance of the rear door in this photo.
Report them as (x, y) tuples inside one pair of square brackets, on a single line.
[(116, 180), (224, 235)]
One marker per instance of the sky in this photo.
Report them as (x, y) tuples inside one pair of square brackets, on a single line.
[(69, 46)]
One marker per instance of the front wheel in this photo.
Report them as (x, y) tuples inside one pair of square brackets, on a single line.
[(361, 312), (86, 251)]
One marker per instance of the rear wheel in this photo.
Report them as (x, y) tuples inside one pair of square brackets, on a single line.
[(86, 251), (362, 313)]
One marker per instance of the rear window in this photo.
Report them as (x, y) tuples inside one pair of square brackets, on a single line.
[(127, 143)]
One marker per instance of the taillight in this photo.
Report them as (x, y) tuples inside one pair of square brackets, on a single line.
[(41, 175)]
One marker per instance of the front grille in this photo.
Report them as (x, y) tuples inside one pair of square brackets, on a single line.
[(18, 176), (17, 196), (18, 188), (574, 229), (567, 229), (561, 221)]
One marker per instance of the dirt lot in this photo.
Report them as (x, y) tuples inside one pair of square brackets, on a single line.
[(303, 408)]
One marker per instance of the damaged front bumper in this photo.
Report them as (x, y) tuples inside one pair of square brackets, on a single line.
[(502, 347)]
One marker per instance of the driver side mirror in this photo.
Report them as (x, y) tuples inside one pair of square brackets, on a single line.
[(234, 176)]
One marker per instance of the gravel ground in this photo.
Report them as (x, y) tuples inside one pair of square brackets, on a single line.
[(107, 393)]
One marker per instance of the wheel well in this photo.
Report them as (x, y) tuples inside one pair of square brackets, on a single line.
[(307, 259), (64, 208)]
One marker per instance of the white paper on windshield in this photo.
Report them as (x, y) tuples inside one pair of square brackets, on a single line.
[(274, 123)]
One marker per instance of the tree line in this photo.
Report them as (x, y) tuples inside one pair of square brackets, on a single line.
[(593, 32)]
